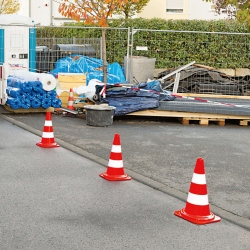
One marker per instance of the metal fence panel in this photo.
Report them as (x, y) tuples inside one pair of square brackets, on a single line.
[(212, 51), (141, 52)]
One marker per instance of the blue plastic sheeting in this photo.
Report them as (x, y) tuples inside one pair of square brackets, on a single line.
[(14, 81), (25, 104), (14, 103), (92, 67), (46, 103), (156, 87), (56, 103), (13, 92), (42, 95), (29, 94), (131, 99), (127, 105), (36, 103), (51, 93), (135, 98), (37, 86)]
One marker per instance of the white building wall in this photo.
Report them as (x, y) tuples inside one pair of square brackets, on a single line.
[(45, 12), (202, 10), (192, 9)]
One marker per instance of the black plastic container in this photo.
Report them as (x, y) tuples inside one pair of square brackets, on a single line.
[(99, 115)]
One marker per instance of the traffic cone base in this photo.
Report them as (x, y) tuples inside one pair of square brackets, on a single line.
[(115, 170), (108, 177), (48, 145), (197, 208), (197, 219)]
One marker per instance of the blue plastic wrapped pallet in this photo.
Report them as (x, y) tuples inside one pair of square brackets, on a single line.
[(27, 94)]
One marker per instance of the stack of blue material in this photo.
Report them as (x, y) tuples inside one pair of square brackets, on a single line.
[(29, 94)]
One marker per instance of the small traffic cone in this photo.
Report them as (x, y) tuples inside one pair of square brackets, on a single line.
[(71, 100), (115, 170), (103, 91), (197, 208), (48, 135)]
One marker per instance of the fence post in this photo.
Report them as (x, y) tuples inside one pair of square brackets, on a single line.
[(127, 55), (133, 31)]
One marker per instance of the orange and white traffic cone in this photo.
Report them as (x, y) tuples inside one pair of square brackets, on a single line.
[(115, 170), (103, 91), (197, 208), (48, 134), (71, 100)]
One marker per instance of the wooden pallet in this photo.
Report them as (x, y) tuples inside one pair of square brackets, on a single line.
[(30, 110), (202, 121), (244, 122), (186, 117)]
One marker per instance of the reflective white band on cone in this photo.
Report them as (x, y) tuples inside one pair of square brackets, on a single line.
[(199, 178), (116, 149), (48, 123), (115, 164), (48, 135), (196, 199)]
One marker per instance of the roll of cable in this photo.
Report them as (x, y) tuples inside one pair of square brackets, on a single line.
[(31, 95), (13, 92), (13, 102), (41, 95), (48, 81), (35, 103), (46, 103), (22, 96), (25, 104), (26, 86), (56, 103), (37, 86), (52, 94), (13, 81)]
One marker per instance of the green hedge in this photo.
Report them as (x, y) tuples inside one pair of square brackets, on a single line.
[(168, 44)]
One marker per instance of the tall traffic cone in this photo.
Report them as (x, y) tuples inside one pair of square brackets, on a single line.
[(48, 134), (197, 208), (115, 170), (71, 100)]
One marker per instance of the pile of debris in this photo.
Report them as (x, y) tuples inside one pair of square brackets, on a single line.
[(202, 79)]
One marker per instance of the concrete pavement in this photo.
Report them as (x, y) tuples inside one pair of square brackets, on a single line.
[(162, 154), (55, 199)]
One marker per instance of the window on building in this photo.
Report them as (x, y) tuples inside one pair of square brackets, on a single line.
[(174, 6)]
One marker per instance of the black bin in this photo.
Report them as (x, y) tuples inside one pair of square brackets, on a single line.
[(99, 115), (42, 59), (61, 50)]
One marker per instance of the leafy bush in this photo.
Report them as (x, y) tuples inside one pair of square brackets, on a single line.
[(216, 43)]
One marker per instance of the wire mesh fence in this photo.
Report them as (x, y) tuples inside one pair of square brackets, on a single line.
[(84, 41), (213, 54), (143, 54)]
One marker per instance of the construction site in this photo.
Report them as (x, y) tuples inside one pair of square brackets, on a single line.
[(66, 77), (94, 164)]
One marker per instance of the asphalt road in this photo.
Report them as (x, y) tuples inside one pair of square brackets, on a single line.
[(162, 154), (55, 199)]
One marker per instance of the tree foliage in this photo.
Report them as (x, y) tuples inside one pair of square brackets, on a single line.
[(92, 12), (239, 9), (9, 6), (131, 8)]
